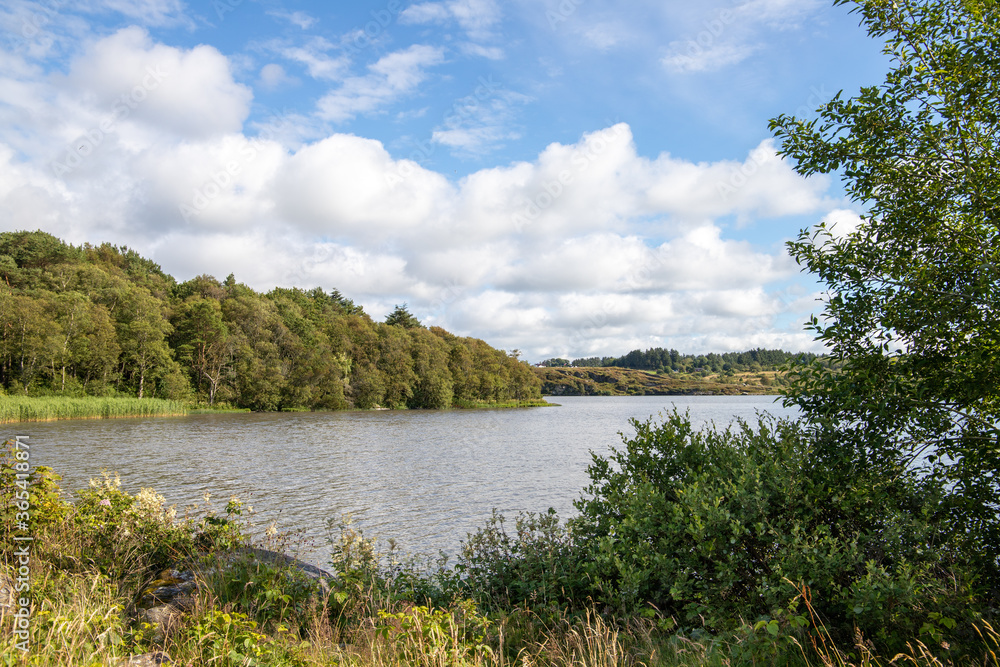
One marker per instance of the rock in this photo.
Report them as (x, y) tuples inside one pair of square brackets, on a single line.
[(165, 619), (172, 594), (166, 600), (276, 558)]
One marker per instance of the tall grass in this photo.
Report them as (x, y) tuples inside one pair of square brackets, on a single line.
[(50, 408)]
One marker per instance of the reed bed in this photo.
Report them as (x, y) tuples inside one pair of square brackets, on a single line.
[(51, 408)]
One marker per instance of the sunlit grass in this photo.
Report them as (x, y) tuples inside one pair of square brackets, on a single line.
[(51, 408)]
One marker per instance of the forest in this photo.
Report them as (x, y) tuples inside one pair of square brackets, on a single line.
[(660, 359), (104, 321)]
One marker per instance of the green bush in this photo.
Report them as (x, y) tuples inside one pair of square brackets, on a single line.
[(270, 594), (126, 536), (29, 495), (717, 528), (538, 566)]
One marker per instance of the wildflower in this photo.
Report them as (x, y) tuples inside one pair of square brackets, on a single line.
[(104, 502)]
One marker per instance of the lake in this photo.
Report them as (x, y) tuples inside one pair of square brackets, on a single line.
[(423, 478)]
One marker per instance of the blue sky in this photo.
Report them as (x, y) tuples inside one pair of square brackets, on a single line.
[(567, 178)]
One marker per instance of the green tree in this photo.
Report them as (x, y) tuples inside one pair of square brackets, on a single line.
[(402, 317), (433, 388), (396, 365), (87, 348), (142, 330), (202, 340), (911, 317), (30, 337)]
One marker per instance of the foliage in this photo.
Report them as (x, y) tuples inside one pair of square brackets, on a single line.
[(402, 317), (228, 638), (712, 526), (914, 291), (100, 322), (660, 359), (270, 593), (30, 495), (384, 610), (539, 566), (118, 533), (423, 636), (627, 382)]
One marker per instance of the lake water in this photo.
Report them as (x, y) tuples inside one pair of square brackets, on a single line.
[(424, 478)]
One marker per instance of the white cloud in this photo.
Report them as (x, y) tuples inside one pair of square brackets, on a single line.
[(300, 19), (273, 76), (621, 249), (778, 14), (604, 35), (842, 222), (391, 77), (428, 12), (189, 92), (690, 56), (477, 18), (148, 12), (338, 188), (489, 52), (729, 36), (480, 122), (314, 55)]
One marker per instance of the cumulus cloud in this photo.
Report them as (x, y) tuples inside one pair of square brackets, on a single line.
[(190, 92)]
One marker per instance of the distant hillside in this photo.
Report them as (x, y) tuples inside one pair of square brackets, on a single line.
[(602, 381), (660, 359)]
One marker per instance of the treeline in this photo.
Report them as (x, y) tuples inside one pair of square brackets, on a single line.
[(659, 359), (104, 321)]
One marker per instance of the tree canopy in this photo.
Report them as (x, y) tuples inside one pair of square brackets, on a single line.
[(104, 320), (912, 313)]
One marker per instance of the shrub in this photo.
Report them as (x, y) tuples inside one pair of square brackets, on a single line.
[(538, 567), (717, 528)]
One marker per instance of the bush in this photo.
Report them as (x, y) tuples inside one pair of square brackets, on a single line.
[(718, 528), (539, 567)]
